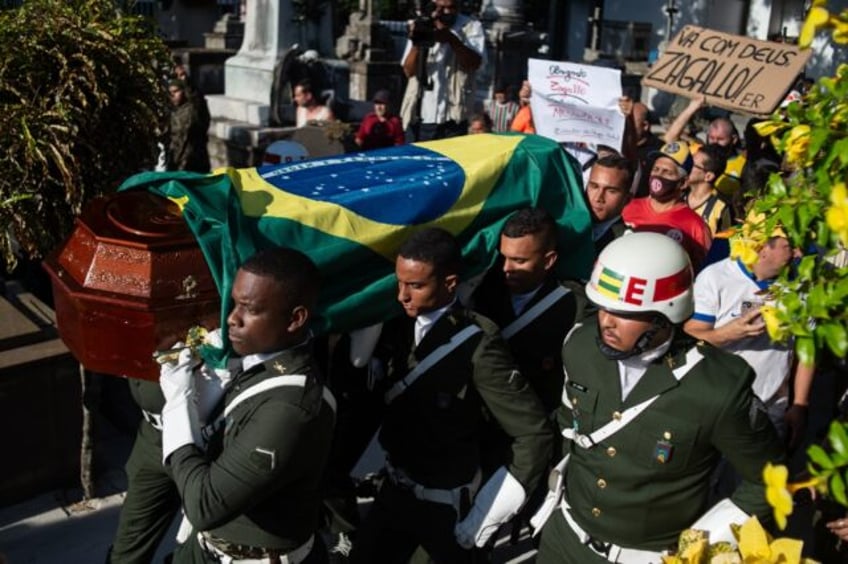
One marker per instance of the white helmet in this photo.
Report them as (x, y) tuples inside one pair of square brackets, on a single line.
[(643, 272)]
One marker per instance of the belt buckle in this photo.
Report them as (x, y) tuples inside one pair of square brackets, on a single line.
[(600, 547)]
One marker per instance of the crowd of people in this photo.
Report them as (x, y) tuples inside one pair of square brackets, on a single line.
[(607, 414)]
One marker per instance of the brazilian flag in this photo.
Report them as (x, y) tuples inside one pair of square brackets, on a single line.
[(350, 213)]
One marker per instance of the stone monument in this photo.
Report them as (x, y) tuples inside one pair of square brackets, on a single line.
[(248, 76), (240, 128), (367, 47)]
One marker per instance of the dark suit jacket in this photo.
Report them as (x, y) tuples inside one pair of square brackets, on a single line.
[(432, 430)]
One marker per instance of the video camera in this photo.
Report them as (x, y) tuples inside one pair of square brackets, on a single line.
[(423, 33)]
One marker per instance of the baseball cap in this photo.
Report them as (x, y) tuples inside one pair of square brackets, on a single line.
[(381, 97), (678, 151)]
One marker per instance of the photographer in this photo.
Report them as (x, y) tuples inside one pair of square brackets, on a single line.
[(442, 54)]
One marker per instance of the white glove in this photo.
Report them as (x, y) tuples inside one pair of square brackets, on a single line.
[(496, 503), (180, 424), (175, 377), (717, 521)]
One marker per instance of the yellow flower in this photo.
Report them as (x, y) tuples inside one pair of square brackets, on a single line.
[(797, 144), (837, 214), (817, 18), (776, 330), (840, 30), (777, 494), (744, 250), (768, 128)]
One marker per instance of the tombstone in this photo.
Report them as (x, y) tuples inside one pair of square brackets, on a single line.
[(241, 126), (367, 46), (268, 32)]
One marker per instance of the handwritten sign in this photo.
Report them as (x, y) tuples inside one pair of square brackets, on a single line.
[(576, 103), (731, 71)]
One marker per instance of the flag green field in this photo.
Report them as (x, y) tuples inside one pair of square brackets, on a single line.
[(349, 213)]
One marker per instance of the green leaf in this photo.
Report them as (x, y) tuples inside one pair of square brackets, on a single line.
[(836, 338), (838, 437), (818, 455), (817, 139), (837, 488), (806, 266)]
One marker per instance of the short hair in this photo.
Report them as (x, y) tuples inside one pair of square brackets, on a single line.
[(483, 117), (716, 160), (532, 221), (728, 124), (434, 246), (607, 150), (617, 162), (292, 270), (305, 85)]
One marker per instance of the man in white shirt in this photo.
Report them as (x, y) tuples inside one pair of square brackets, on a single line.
[(440, 94), (728, 298)]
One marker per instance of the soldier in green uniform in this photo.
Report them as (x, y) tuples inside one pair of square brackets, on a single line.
[(532, 308), (152, 500), (253, 495), (647, 413), (443, 363), (534, 311)]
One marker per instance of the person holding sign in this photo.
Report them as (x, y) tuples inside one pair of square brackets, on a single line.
[(721, 133), (663, 211)]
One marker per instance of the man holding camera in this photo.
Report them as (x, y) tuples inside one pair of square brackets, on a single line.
[(442, 54)]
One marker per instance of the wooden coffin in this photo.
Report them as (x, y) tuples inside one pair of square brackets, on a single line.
[(129, 280)]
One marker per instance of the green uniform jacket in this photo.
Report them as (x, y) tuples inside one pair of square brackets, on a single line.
[(537, 347), (620, 491), (258, 484), (432, 430), (147, 395)]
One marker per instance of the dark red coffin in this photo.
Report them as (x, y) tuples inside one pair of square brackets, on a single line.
[(129, 280)]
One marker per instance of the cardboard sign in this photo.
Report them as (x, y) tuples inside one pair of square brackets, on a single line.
[(731, 71), (576, 103)]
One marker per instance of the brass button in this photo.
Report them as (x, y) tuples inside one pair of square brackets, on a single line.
[(596, 512), (616, 415), (574, 401), (602, 483), (611, 452)]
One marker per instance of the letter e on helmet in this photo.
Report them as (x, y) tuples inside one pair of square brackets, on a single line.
[(643, 273)]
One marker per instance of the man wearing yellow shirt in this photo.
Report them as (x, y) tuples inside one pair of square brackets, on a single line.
[(701, 195)]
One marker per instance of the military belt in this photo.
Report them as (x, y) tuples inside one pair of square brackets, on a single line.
[(228, 552), (607, 550)]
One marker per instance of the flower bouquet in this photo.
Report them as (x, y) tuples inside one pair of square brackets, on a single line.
[(755, 546)]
